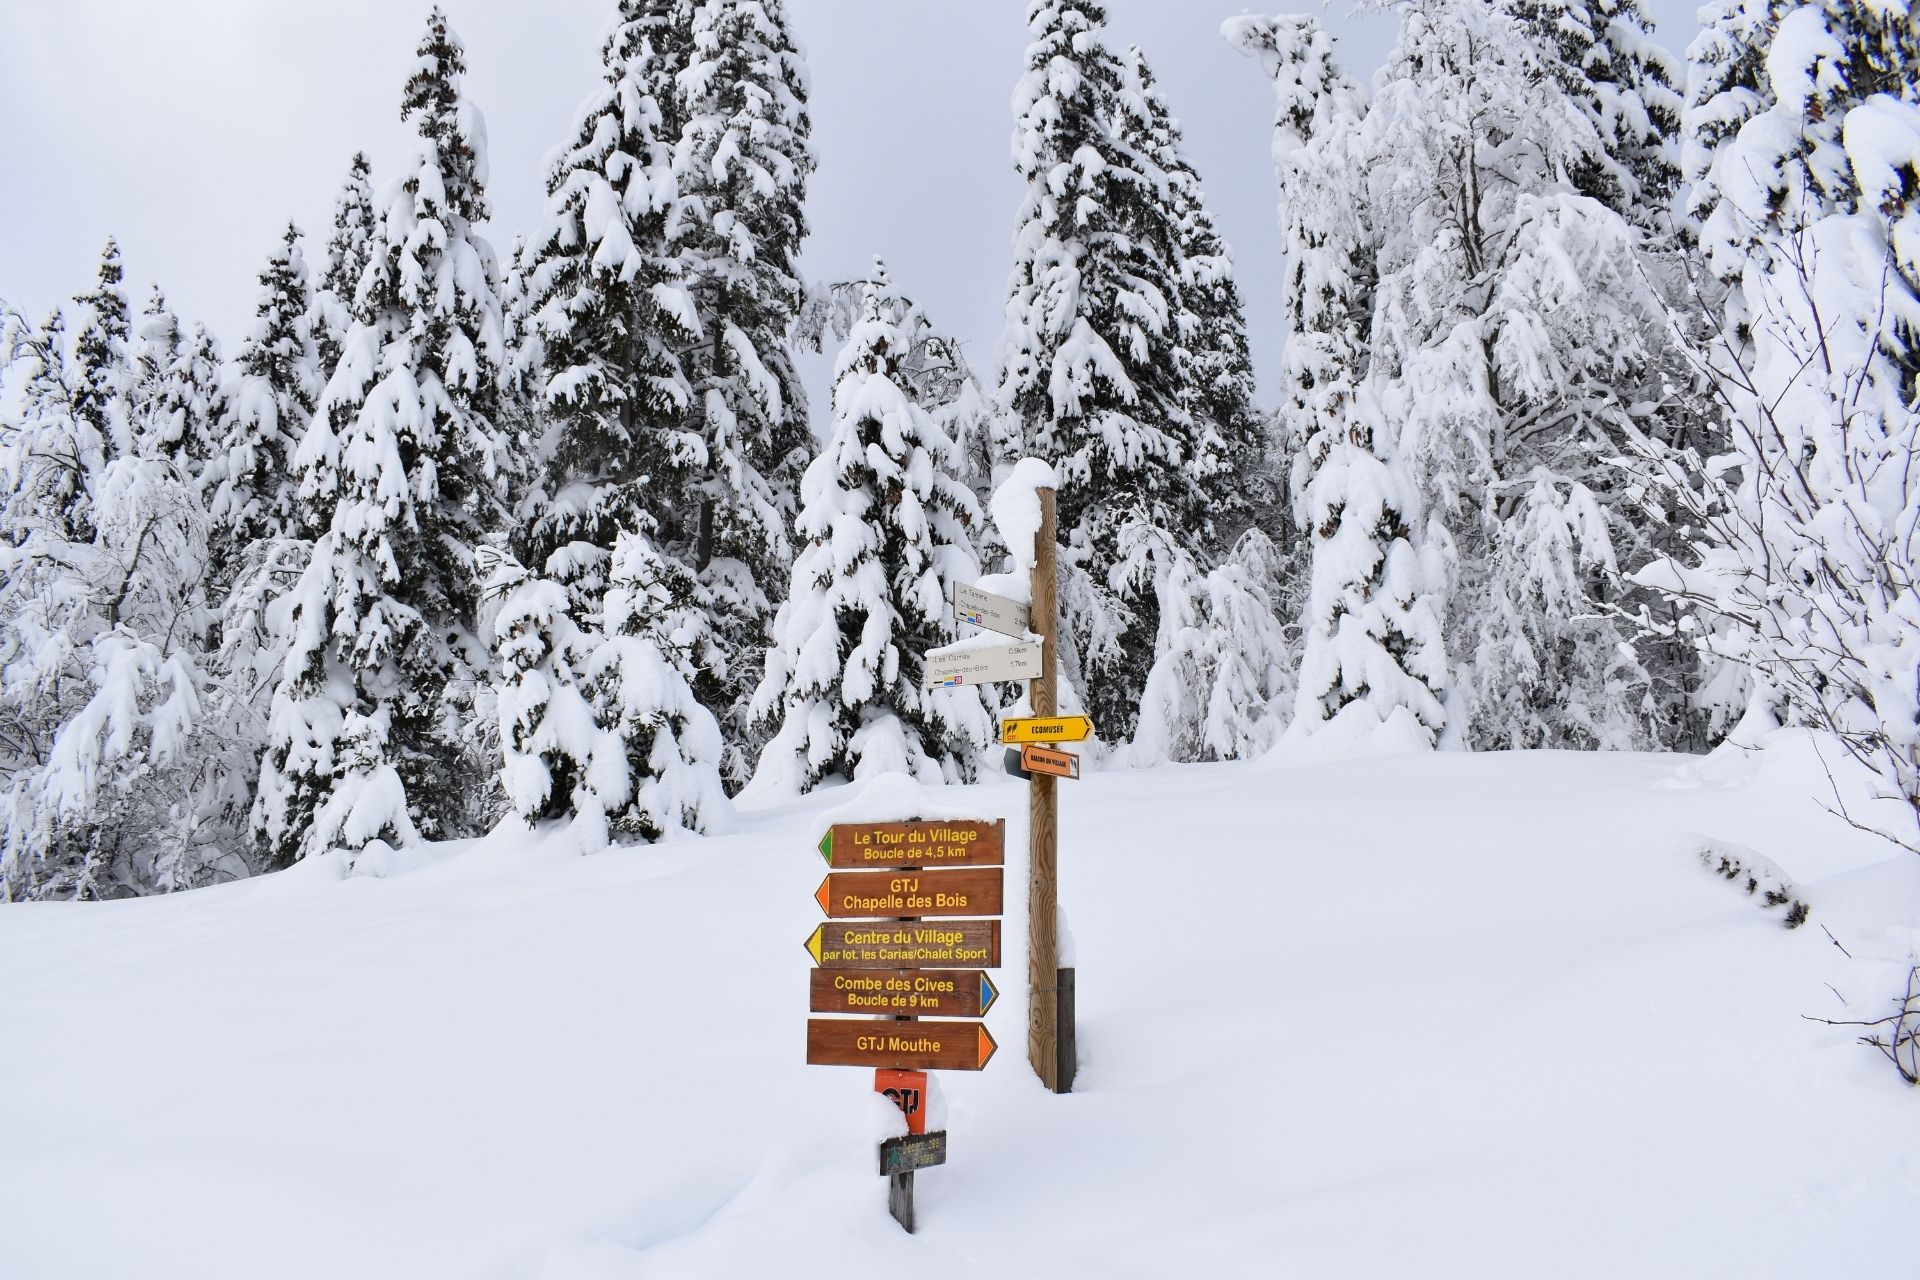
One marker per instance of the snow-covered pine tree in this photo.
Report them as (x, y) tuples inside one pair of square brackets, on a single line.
[(349, 248), (1726, 86), (604, 727), (100, 374), (885, 531), (177, 395), (276, 383), (1228, 450), (741, 163), (381, 662), (1091, 358), (52, 455), (1222, 687), (1808, 566), (607, 315), (1373, 666), (1603, 57)]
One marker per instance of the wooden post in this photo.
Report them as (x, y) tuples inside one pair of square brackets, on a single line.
[(1043, 966)]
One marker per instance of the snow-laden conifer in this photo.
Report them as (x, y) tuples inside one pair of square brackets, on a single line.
[(100, 375), (607, 316), (1091, 356), (741, 163), (350, 245), (275, 384), (1222, 687), (381, 663), (884, 532), (1373, 666)]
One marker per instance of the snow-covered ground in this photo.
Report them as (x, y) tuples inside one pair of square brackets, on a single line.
[(1440, 1015)]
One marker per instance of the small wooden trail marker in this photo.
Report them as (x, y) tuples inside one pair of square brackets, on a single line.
[(906, 944), (1018, 729), (908, 1046), (964, 891), (915, 844), (912, 993), (984, 664), (915, 1151), (988, 611)]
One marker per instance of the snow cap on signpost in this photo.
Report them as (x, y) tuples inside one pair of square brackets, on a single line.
[(1015, 507)]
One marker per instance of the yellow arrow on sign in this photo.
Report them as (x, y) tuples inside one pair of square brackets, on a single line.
[(1046, 729)]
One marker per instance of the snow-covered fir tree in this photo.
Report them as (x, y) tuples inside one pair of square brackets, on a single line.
[(1227, 449), (1373, 665), (741, 162), (381, 665), (177, 395), (1092, 358), (101, 374), (607, 316), (350, 245), (885, 529), (276, 383), (603, 726)]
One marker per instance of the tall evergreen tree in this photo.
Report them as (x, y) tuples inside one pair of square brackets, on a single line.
[(607, 317), (367, 735), (101, 373), (277, 382), (1227, 449), (1373, 667), (350, 246), (886, 531), (741, 162), (1092, 359)]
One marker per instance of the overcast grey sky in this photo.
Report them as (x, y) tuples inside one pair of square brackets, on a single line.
[(192, 129)]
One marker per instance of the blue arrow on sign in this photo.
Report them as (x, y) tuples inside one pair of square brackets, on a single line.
[(987, 995)]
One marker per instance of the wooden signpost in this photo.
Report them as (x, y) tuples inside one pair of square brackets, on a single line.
[(1046, 762), (889, 951), (1046, 980)]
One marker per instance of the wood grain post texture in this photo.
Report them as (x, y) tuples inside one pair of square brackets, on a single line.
[(900, 1185), (1043, 967)]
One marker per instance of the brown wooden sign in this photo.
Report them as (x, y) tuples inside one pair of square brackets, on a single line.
[(910, 993), (964, 891), (1059, 764), (906, 944), (913, 1046), (872, 845)]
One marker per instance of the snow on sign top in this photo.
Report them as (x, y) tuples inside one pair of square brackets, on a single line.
[(991, 612)]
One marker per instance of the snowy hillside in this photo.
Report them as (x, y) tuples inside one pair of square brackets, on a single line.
[(1463, 1015)]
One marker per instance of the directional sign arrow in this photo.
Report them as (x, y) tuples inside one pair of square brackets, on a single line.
[(962, 891), (989, 611), (955, 843), (902, 993), (912, 1046), (906, 944), (1061, 764), (1046, 729)]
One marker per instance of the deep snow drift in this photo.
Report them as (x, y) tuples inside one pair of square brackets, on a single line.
[(1435, 1015)]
